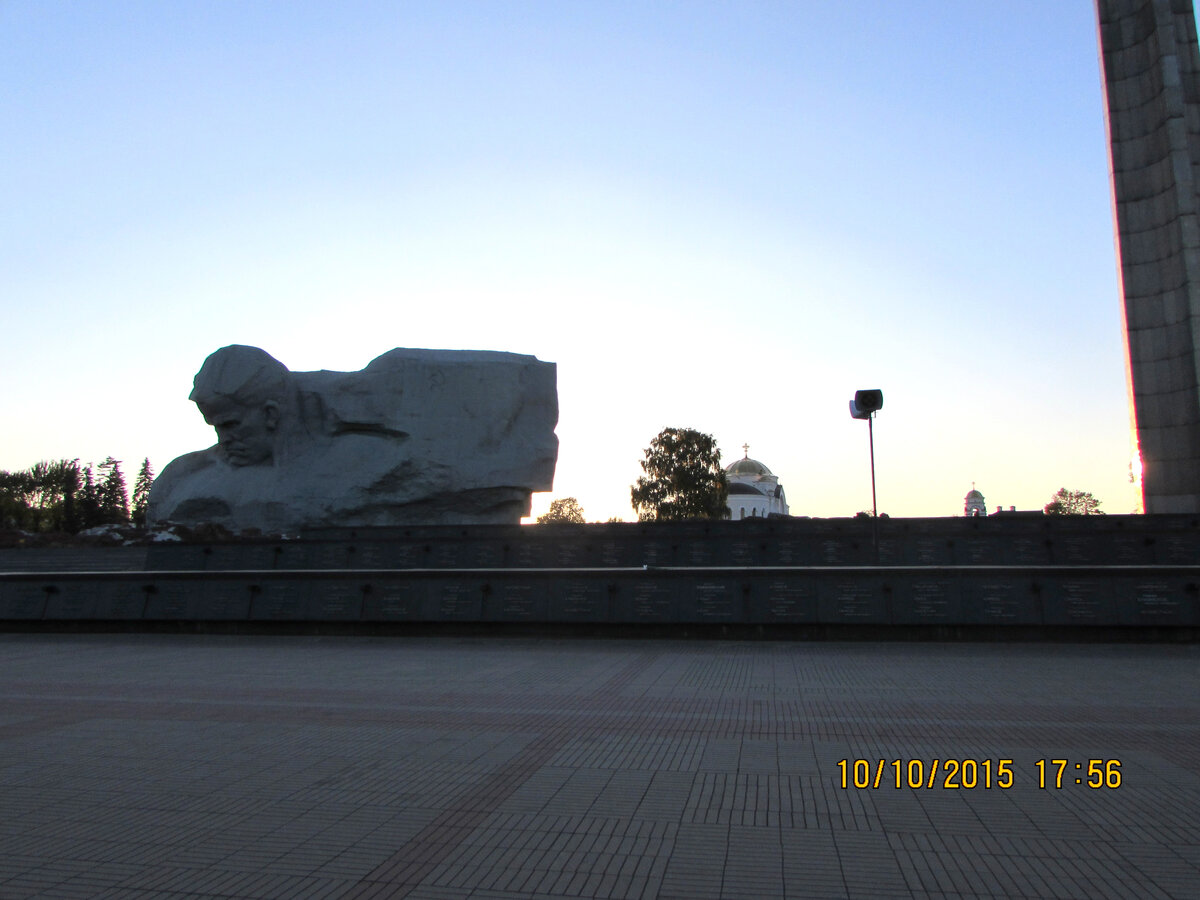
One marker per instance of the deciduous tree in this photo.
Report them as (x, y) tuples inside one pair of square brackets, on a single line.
[(683, 480), (1072, 503), (565, 509), (42, 498), (15, 493)]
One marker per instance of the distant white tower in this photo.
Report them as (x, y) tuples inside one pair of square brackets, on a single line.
[(975, 506), (754, 492)]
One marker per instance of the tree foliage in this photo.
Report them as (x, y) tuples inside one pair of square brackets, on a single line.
[(683, 480), (565, 509), (141, 493), (41, 498), (1072, 503), (61, 496), (114, 499)]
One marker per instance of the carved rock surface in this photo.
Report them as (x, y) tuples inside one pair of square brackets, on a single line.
[(415, 437)]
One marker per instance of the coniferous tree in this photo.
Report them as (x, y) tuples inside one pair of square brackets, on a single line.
[(141, 492), (70, 520), (114, 499), (88, 503)]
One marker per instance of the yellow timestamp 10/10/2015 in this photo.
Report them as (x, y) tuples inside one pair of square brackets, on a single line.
[(968, 774)]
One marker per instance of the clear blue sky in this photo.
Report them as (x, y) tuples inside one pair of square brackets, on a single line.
[(725, 216)]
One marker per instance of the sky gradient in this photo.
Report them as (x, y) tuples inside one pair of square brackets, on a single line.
[(711, 215)]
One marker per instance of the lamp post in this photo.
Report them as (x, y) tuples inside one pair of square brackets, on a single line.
[(864, 406)]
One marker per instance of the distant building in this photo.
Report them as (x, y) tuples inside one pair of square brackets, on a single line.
[(754, 492), (975, 505)]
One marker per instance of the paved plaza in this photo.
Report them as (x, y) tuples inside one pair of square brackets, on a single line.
[(149, 766)]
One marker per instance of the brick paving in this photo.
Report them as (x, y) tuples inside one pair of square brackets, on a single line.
[(148, 766)]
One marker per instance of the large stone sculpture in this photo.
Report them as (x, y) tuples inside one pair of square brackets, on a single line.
[(416, 437)]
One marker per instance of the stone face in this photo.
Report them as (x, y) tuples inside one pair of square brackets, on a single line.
[(415, 437), (1151, 69)]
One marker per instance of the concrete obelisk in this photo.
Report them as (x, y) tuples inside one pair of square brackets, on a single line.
[(1151, 70)]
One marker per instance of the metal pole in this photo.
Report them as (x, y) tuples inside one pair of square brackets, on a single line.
[(871, 433), (874, 505)]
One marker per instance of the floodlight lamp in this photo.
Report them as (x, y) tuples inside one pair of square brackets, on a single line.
[(865, 403)]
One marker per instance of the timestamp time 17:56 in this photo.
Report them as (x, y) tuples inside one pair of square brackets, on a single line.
[(1094, 773)]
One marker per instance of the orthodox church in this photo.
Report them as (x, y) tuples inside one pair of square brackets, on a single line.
[(753, 490), (974, 504)]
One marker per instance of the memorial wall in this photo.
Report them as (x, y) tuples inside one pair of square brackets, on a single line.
[(1108, 571)]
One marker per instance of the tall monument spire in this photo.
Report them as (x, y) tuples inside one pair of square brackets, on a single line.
[(1151, 71)]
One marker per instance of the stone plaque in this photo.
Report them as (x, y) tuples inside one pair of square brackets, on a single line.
[(578, 600), (783, 598), (335, 601), (523, 554), (894, 552), (835, 552), (570, 553), (787, 552), (699, 552), (1079, 602), (743, 553), (285, 600), (326, 555), (73, 600), (1129, 551), (1155, 601), (399, 600), (853, 602), (930, 552), (408, 556), (1178, 548), (449, 555), (224, 598), (372, 555), (121, 600), (22, 599), (1027, 551), (990, 601), (714, 600), (615, 554), (927, 601), (173, 598), (454, 599), (516, 601), (1074, 550), (649, 600), (656, 553), (486, 554), (978, 551)]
